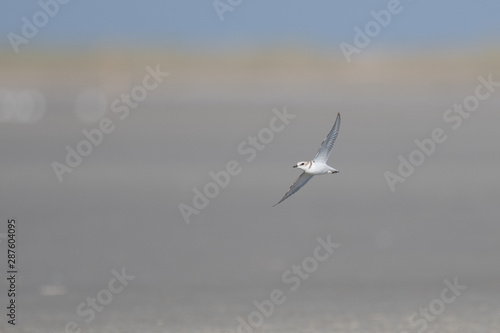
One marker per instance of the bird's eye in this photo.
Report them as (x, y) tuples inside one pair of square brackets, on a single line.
[(301, 163)]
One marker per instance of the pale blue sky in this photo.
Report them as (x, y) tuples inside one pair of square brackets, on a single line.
[(193, 24)]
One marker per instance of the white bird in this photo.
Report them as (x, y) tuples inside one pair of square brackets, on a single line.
[(318, 165)]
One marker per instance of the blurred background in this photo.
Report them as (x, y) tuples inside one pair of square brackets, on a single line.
[(393, 70)]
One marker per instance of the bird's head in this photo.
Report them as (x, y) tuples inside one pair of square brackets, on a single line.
[(302, 165)]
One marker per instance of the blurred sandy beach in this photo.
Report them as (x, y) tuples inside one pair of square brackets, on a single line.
[(120, 207)]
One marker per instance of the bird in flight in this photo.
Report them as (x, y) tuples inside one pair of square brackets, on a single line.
[(318, 165)]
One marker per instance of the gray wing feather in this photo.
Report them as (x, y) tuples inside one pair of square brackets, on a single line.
[(299, 182), (327, 144)]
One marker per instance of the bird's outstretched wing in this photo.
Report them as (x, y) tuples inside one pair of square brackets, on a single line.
[(327, 144), (299, 182)]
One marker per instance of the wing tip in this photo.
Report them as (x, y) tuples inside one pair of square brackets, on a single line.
[(276, 204)]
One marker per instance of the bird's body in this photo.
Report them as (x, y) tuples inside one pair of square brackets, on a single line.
[(318, 165), (315, 168)]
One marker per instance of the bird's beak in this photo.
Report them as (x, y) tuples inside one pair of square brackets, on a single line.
[(294, 166), (336, 171)]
